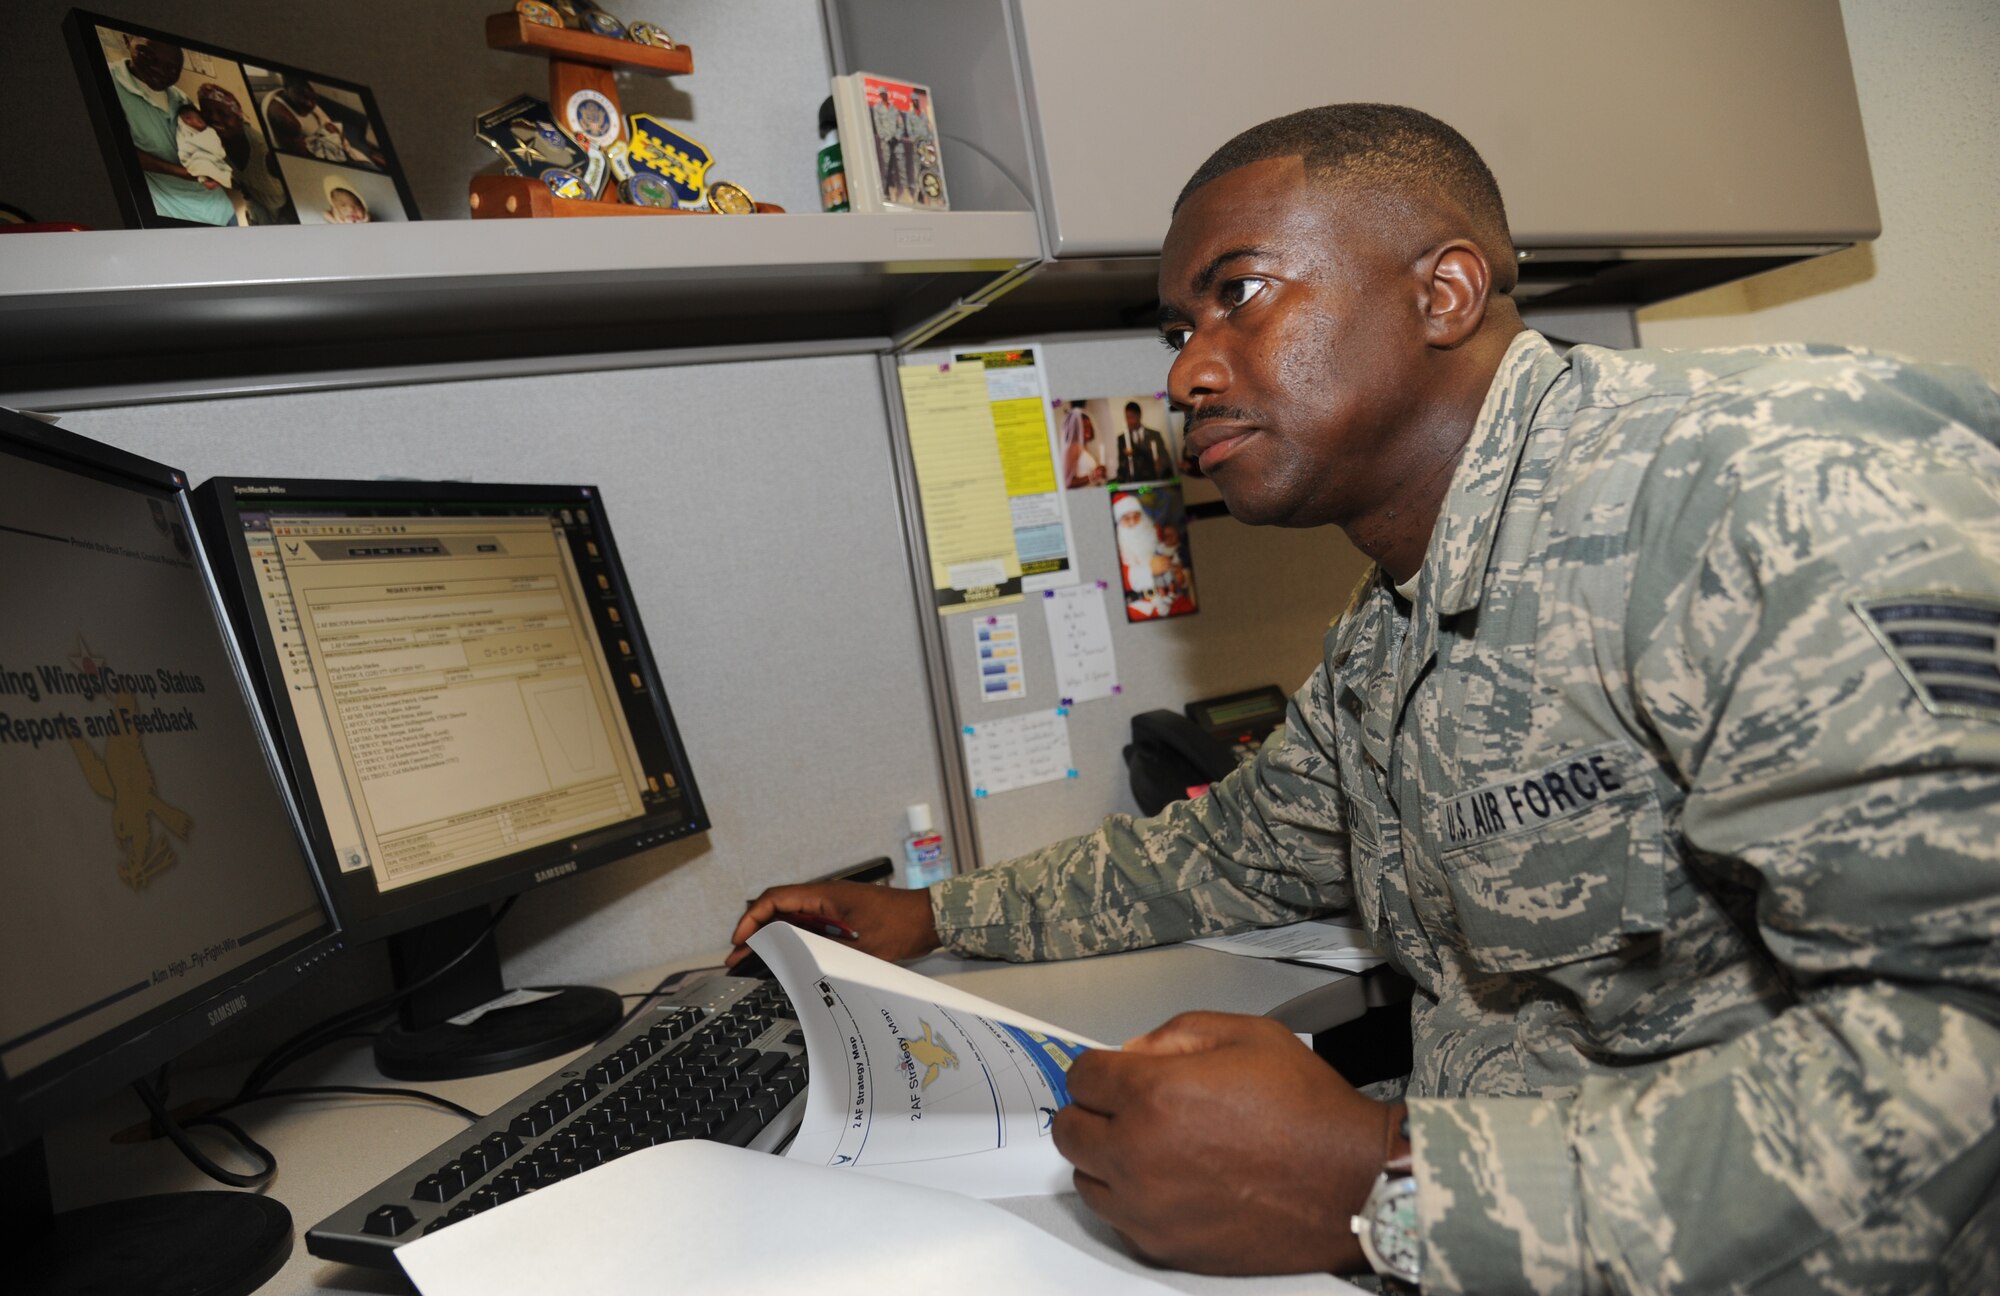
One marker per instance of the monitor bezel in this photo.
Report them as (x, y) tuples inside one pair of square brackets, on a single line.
[(366, 913), (42, 1096)]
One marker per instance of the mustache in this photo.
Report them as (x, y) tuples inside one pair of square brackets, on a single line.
[(1219, 413)]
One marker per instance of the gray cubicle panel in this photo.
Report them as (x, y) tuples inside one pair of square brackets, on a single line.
[(755, 508), (1265, 594), (1699, 123)]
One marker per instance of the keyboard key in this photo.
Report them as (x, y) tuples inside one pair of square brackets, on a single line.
[(533, 1123), (739, 1129), (481, 1157), (389, 1221), (432, 1188)]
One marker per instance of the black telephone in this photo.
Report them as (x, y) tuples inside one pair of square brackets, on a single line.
[(1172, 755)]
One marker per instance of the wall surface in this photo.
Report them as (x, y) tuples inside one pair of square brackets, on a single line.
[(755, 511), (1265, 594), (1930, 286)]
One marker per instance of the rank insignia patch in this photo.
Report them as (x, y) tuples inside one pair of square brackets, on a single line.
[(1946, 645)]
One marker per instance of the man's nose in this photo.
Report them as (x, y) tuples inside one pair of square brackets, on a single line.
[(1199, 370)]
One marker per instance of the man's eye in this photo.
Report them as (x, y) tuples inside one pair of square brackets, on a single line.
[(1238, 291), (1174, 339)]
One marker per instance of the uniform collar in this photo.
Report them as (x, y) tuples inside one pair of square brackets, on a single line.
[(1455, 565)]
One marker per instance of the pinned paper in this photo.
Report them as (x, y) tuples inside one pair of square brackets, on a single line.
[(968, 521), (1018, 752), (1080, 638), (997, 640), (1025, 435), (1149, 526)]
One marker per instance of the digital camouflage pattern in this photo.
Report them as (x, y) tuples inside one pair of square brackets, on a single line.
[(1698, 883)]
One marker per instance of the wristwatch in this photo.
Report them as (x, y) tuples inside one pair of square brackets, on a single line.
[(1387, 1227)]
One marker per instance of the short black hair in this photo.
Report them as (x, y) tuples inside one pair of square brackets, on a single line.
[(1386, 145), (1132, 407)]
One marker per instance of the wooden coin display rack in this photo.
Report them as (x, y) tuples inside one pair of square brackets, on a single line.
[(578, 60)]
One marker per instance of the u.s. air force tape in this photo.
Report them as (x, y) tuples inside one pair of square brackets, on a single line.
[(1541, 795)]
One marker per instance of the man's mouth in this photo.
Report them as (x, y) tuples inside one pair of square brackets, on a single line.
[(1217, 440)]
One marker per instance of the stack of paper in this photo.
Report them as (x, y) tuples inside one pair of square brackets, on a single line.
[(1322, 942), (702, 1217)]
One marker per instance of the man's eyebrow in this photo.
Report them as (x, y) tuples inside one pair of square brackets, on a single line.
[(1210, 272), (1205, 280)]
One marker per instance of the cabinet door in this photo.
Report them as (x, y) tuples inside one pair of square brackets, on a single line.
[(1692, 123)]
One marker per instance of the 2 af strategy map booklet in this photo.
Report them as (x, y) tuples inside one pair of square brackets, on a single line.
[(915, 1081)]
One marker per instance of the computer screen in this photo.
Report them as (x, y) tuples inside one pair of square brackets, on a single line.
[(155, 883), (463, 686)]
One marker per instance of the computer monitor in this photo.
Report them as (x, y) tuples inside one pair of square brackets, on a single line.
[(469, 708), (154, 885)]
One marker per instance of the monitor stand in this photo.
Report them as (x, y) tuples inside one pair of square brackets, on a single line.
[(189, 1244), (425, 1045)]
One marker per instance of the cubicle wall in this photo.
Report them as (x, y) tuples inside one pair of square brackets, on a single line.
[(1265, 597), (755, 509)]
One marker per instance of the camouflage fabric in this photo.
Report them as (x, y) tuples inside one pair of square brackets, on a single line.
[(1677, 792)]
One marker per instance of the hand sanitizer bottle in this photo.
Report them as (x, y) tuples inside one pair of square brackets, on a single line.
[(924, 860)]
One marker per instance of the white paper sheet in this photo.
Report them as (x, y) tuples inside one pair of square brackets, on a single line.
[(996, 642), (1322, 942), (1018, 752), (1080, 639), (704, 1217), (917, 1081)]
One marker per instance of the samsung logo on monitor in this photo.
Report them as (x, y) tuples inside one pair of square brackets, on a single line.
[(223, 1012), (555, 871)]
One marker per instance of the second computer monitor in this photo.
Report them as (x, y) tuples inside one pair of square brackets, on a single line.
[(468, 708), (461, 677)]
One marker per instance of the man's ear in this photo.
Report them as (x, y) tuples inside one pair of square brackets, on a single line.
[(1456, 279)]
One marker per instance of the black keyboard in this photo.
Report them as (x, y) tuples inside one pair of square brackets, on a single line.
[(723, 1060)]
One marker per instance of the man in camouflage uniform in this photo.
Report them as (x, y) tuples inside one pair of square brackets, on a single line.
[(1661, 750), (887, 123)]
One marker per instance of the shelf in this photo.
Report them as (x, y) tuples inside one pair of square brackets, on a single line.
[(159, 314), (506, 197), (510, 31)]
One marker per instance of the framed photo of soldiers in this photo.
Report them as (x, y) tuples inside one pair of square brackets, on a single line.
[(889, 144), (195, 134)]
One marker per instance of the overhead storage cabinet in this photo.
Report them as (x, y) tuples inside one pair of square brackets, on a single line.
[(1643, 149)]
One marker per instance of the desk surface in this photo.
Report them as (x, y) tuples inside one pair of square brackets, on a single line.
[(330, 1149)]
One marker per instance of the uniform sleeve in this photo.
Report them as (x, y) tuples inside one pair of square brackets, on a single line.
[(1848, 1144), (1266, 845)]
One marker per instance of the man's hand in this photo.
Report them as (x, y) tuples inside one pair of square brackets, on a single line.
[(1220, 1144), (887, 923)]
